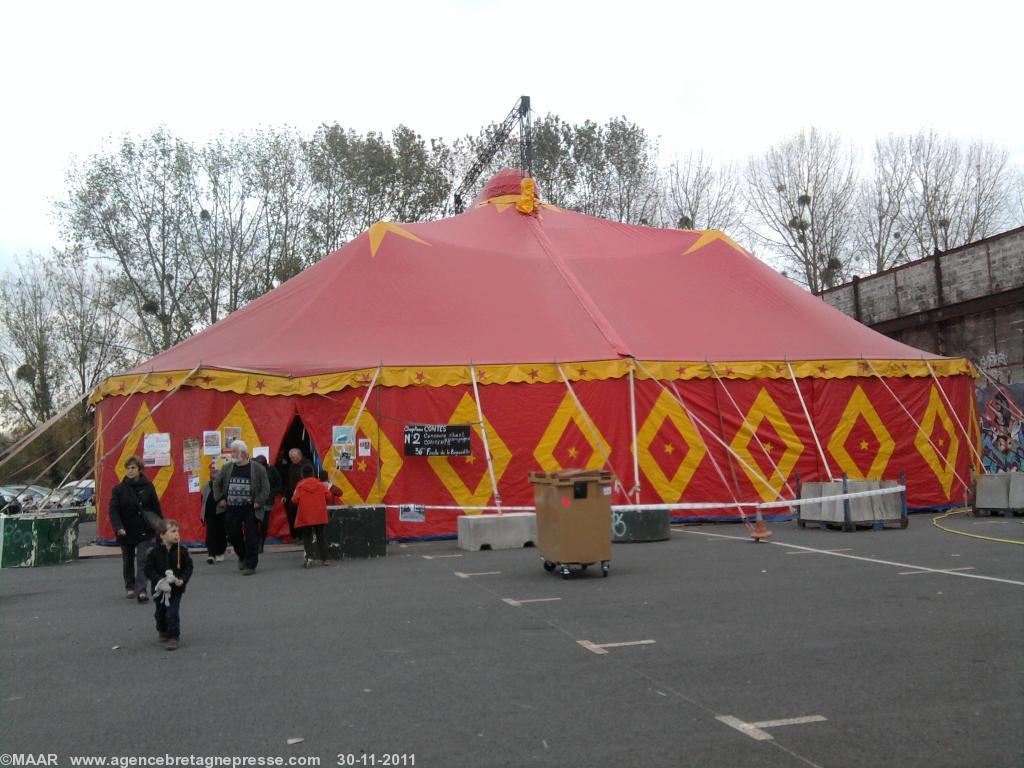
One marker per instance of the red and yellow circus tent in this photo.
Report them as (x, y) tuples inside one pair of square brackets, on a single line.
[(574, 328)]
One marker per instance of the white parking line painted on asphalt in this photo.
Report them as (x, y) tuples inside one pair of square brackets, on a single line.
[(844, 549), (755, 730), (517, 603), (437, 557), (462, 575), (944, 570), (599, 648), (866, 559)]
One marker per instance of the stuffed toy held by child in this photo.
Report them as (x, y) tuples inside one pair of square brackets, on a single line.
[(162, 589)]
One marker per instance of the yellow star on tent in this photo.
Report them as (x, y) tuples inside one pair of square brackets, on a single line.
[(381, 228), (709, 236)]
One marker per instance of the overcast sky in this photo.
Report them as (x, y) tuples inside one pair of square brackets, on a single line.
[(731, 78)]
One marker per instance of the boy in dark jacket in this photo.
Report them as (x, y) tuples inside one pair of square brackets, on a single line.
[(168, 568)]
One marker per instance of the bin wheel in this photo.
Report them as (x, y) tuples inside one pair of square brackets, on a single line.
[(1018, 513), (584, 566), (976, 512), (566, 573), (904, 522), (801, 523), (549, 566), (849, 527), (604, 569)]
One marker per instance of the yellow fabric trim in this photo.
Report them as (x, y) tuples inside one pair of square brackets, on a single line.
[(377, 232), (521, 373)]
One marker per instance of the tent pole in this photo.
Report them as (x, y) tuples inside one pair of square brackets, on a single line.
[(483, 434), (974, 448), (362, 402), (632, 418), (696, 420), (916, 423), (593, 431), (810, 423), (753, 433)]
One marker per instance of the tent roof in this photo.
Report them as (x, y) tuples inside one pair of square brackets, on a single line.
[(495, 285)]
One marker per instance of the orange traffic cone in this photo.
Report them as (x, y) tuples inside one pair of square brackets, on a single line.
[(760, 530)]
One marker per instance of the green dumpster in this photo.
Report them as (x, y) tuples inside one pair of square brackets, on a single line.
[(38, 539)]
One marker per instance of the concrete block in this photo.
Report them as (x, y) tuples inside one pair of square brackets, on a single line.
[(993, 491), (511, 530), (1016, 491), (827, 511), (641, 525)]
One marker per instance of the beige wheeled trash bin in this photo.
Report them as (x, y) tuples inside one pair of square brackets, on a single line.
[(574, 519)]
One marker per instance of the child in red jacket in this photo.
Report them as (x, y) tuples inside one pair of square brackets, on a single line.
[(311, 499)]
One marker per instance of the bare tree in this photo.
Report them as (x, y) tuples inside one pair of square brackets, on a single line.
[(883, 227), (700, 195), (801, 191), (28, 346), (958, 194)]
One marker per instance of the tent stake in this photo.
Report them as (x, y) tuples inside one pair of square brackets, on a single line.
[(483, 434), (810, 423)]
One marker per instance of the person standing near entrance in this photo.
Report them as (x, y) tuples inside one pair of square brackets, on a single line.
[(242, 488), (293, 475)]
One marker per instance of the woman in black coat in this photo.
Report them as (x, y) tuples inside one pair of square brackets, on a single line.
[(131, 501)]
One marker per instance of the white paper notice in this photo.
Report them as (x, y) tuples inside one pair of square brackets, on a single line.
[(211, 443), (261, 450), (193, 484), (156, 449), (365, 446)]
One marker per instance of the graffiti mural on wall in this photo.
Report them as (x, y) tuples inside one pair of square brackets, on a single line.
[(1002, 427)]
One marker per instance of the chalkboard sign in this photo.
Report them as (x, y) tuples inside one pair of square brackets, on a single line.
[(436, 440)]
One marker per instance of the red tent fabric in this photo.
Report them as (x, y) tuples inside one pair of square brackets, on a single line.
[(573, 328)]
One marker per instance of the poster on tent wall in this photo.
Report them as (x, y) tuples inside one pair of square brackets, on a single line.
[(864, 429)]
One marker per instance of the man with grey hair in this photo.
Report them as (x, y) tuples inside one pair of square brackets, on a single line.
[(241, 488)]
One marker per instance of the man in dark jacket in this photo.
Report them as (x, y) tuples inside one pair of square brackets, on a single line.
[(296, 461), (241, 489), (132, 501), (274, 478), (168, 568)]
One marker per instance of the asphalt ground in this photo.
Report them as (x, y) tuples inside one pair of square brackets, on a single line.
[(899, 666)]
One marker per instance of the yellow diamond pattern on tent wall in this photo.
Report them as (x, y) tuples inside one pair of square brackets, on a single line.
[(670, 489), (133, 445), (466, 412), (944, 467), (860, 406), (566, 414), (390, 460), (764, 408)]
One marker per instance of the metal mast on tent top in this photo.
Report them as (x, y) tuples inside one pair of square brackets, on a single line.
[(520, 115)]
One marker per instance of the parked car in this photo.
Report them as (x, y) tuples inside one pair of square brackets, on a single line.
[(29, 496), (77, 494), (9, 504)]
